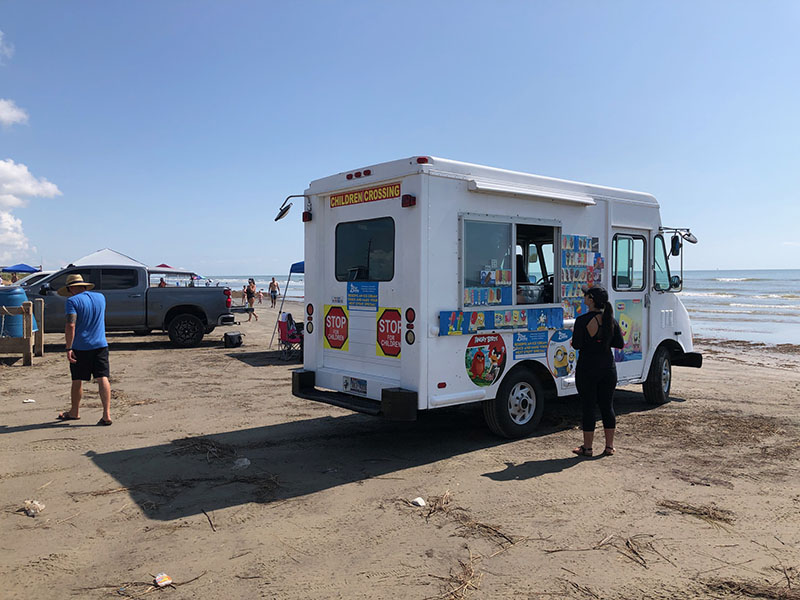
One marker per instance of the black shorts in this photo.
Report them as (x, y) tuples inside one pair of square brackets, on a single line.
[(90, 362)]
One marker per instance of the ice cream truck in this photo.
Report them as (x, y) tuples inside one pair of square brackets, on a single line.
[(432, 283)]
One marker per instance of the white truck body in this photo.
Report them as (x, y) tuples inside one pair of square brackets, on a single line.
[(417, 298)]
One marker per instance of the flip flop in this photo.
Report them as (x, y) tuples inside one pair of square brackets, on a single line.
[(104, 422), (65, 416), (582, 451), (609, 451)]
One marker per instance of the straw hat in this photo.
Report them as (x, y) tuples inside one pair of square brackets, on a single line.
[(74, 280)]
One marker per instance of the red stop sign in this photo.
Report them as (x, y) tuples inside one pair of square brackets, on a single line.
[(390, 332), (336, 327)]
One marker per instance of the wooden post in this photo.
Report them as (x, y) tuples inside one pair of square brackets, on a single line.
[(27, 333), (38, 338)]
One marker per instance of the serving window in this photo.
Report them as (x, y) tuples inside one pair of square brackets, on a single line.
[(507, 264), (365, 250)]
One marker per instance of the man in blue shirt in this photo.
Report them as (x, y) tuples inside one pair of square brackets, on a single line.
[(87, 348)]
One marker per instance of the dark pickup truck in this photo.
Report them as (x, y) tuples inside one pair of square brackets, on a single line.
[(132, 304)]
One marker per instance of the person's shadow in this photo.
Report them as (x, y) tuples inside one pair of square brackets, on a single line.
[(532, 468)]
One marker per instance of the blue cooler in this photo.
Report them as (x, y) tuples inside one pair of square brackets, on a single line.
[(11, 325)]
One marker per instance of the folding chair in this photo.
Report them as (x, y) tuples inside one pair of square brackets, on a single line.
[(291, 340)]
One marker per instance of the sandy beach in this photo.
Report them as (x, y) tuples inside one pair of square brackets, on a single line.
[(702, 499)]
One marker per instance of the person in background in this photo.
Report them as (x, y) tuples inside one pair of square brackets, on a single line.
[(250, 291), (274, 290), (244, 295), (87, 348), (14, 278), (260, 296), (594, 334), (162, 283)]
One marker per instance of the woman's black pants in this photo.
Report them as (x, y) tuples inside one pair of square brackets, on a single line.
[(597, 387)]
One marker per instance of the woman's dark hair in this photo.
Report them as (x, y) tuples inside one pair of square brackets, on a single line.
[(600, 297)]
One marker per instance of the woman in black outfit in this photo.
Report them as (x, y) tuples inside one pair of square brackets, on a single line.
[(594, 334)]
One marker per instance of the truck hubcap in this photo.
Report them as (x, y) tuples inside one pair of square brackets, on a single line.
[(666, 376), (521, 403)]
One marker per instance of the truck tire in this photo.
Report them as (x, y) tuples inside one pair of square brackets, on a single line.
[(186, 331), (518, 407), (210, 328), (659, 380)]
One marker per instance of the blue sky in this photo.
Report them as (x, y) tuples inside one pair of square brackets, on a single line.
[(172, 131)]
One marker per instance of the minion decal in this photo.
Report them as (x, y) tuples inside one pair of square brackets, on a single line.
[(485, 359), (560, 354)]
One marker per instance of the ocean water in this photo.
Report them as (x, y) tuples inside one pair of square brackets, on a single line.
[(750, 305), (236, 282)]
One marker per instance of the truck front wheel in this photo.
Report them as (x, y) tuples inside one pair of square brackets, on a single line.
[(659, 379), (186, 331), (518, 407)]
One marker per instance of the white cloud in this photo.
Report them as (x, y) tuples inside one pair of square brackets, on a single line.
[(17, 185), (10, 113), (796, 244), (6, 49)]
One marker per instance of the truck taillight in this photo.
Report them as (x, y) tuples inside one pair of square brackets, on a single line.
[(227, 292), (306, 216)]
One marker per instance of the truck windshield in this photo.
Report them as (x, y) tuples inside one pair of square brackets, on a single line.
[(365, 250)]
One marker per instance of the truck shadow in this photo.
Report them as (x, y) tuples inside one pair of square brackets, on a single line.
[(294, 459), (120, 342)]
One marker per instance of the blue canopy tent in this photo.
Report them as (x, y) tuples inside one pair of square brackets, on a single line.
[(298, 267), (23, 268)]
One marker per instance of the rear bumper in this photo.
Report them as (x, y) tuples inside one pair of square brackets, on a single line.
[(396, 404), (227, 319), (688, 359)]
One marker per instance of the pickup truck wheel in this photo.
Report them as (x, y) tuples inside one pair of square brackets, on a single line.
[(186, 331), (518, 407), (659, 379)]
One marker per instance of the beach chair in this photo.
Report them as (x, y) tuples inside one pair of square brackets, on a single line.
[(291, 338)]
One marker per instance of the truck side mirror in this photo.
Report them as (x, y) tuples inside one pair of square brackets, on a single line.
[(675, 250), (44, 289), (675, 282)]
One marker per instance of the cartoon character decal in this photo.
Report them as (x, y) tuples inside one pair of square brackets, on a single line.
[(485, 358), (629, 317), (560, 354)]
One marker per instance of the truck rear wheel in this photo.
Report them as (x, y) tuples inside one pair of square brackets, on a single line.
[(518, 407), (659, 379), (186, 331)]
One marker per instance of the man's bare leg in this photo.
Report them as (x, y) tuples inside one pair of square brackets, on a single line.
[(105, 396), (75, 395)]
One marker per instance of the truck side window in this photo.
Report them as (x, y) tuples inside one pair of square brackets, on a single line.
[(486, 260), (628, 269), (660, 265), (59, 281), (118, 279), (365, 250)]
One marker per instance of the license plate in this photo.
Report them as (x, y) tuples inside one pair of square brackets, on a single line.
[(354, 385)]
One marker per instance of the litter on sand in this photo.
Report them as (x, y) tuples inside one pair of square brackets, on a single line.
[(418, 502), (33, 507), (163, 580), (28, 401), (241, 463)]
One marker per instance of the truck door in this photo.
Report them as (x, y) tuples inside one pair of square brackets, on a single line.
[(362, 275), (125, 296), (629, 272)]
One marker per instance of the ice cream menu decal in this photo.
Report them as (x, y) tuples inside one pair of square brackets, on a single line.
[(581, 265)]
